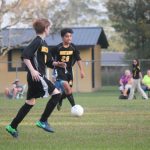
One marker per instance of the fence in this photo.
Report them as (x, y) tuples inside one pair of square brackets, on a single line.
[(104, 72)]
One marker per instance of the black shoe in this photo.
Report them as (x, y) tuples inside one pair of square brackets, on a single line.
[(123, 97)]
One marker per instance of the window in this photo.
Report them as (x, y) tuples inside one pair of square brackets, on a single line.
[(14, 60)]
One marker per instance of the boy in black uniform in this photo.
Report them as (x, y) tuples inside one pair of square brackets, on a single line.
[(66, 52), (36, 57)]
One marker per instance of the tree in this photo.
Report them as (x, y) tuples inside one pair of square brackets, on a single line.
[(22, 13), (132, 19), (61, 13)]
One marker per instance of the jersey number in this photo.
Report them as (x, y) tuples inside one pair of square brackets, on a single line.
[(65, 58)]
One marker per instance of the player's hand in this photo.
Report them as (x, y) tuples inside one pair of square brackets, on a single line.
[(35, 75), (82, 74), (62, 64)]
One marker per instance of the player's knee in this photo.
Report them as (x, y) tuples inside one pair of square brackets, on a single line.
[(56, 91), (31, 102), (69, 91), (67, 88)]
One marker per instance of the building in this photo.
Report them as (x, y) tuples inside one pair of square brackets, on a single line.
[(89, 40), (113, 59), (112, 67)]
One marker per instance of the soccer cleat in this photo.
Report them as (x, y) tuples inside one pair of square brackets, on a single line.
[(12, 131), (45, 126)]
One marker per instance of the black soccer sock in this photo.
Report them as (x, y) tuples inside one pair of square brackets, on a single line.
[(20, 115), (63, 95), (50, 107), (71, 99)]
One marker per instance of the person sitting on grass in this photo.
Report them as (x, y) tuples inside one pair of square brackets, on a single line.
[(14, 90), (146, 81), (125, 83)]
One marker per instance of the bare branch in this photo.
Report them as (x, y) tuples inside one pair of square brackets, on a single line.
[(7, 8)]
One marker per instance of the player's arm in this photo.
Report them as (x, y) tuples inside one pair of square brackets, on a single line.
[(79, 62), (59, 64), (28, 54), (34, 73), (52, 60), (51, 63)]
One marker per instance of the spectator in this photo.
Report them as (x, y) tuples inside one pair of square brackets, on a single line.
[(125, 83), (15, 90), (146, 81)]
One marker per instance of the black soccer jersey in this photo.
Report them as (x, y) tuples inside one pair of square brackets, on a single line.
[(135, 71), (67, 55), (37, 53)]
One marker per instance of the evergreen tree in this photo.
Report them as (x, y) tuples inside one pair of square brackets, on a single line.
[(132, 19)]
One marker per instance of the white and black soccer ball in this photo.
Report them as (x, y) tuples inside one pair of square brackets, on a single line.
[(77, 110)]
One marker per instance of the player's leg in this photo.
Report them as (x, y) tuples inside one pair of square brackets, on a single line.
[(68, 90), (71, 99), (23, 111), (59, 105), (42, 123), (34, 91), (59, 86), (67, 87)]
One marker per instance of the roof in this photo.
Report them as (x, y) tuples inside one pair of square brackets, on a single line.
[(83, 36), (113, 59)]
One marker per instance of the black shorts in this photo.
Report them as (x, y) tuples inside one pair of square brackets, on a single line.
[(37, 89)]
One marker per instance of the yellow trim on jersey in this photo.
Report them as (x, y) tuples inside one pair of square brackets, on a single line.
[(65, 52), (45, 58), (44, 49)]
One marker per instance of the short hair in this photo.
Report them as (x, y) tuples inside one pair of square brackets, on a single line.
[(66, 30), (127, 72), (17, 80), (40, 25)]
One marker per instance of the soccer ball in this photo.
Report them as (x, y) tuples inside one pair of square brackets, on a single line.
[(77, 111)]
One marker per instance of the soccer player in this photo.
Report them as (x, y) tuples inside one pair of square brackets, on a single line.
[(36, 58), (68, 53)]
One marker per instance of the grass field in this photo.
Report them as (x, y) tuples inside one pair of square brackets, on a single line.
[(107, 124)]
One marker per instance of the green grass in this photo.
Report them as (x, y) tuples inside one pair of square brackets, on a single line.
[(107, 124)]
